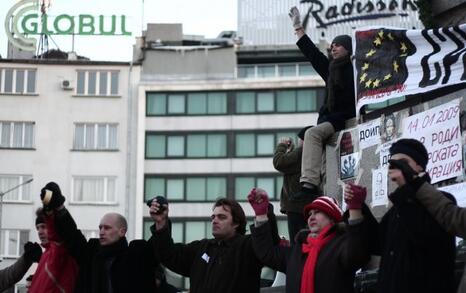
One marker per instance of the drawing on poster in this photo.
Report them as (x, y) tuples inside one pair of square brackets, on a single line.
[(380, 187), (349, 165)]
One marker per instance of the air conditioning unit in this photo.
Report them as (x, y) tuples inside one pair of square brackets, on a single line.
[(66, 85)]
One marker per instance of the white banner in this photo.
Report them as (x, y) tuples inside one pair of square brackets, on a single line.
[(390, 62), (439, 130), (380, 187), (369, 134), (458, 191)]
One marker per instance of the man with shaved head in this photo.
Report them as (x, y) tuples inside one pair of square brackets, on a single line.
[(109, 264)]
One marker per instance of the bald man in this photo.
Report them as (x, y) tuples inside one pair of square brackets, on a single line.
[(109, 264)]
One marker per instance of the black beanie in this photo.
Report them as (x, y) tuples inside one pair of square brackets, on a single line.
[(53, 187), (413, 148), (345, 41), (303, 131)]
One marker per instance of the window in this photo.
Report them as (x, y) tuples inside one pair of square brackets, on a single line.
[(94, 189), (22, 193), (97, 83), (18, 81), (287, 70), (266, 71), (197, 188), (271, 183), (306, 70), (189, 146), (12, 242), (196, 103), (246, 72), (16, 134), (95, 136), (88, 234), (259, 144)]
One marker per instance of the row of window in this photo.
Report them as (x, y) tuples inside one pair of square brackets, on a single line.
[(234, 102), (213, 145), (87, 136), (89, 82), (85, 189), (208, 188), (275, 70)]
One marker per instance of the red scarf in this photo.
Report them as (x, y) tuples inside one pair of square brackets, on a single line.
[(312, 248)]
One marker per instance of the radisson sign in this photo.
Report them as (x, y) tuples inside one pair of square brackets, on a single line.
[(24, 19)]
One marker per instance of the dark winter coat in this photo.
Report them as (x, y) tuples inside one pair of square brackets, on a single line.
[(343, 94), (289, 164), (131, 266), (417, 255), (336, 264), (14, 273)]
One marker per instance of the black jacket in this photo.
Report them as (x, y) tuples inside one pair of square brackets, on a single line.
[(344, 95), (417, 255), (131, 265), (336, 264)]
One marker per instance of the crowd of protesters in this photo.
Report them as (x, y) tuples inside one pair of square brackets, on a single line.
[(414, 239)]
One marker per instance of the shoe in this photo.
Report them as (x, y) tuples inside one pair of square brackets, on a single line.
[(306, 194)]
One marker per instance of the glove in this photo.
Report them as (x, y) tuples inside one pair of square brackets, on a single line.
[(161, 200), (259, 201), (408, 173), (359, 196), (295, 18), (51, 196), (32, 252)]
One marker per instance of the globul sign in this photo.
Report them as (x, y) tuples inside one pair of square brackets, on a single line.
[(23, 19)]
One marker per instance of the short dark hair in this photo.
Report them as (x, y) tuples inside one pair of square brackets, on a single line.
[(237, 213)]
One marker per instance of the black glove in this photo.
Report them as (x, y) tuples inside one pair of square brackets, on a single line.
[(51, 196), (161, 200), (408, 173), (32, 252)]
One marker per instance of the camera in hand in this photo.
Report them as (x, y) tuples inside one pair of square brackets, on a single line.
[(161, 200)]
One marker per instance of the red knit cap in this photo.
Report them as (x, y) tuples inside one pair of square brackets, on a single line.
[(327, 205)]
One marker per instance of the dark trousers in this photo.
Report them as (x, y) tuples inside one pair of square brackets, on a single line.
[(296, 222)]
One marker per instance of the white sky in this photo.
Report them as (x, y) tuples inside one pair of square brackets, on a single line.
[(200, 17)]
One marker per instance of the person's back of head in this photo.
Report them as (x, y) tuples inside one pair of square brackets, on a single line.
[(112, 228)]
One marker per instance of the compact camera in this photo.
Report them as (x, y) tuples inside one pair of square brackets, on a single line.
[(161, 200)]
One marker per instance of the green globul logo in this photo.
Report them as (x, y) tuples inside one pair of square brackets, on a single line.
[(23, 19)]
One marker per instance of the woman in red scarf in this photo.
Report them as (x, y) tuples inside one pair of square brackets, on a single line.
[(327, 254)]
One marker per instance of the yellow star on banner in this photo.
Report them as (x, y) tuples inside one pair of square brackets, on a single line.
[(370, 53), (403, 47), (365, 67), (368, 83), (363, 77), (395, 66), (387, 77), (376, 83), (381, 34), (390, 36), (377, 42)]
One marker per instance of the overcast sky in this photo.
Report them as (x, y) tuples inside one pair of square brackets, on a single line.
[(201, 17)]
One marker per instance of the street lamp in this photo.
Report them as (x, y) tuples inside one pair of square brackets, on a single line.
[(1, 202)]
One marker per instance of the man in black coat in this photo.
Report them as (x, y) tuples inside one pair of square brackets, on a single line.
[(226, 263), (338, 107), (109, 264)]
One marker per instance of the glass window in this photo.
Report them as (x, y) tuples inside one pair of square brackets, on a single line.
[(268, 184), (307, 100), (245, 102), (31, 81), (94, 189), (197, 145), (8, 80), (176, 104), (175, 189), (246, 72), (242, 187), (19, 81), (155, 146), (103, 82), (197, 103), (265, 144), (287, 70), (286, 101), (81, 82), (196, 189), (265, 102), (216, 187), (88, 136), (177, 232), (175, 146), (245, 145), (12, 242), (153, 187), (22, 193), (216, 145), (156, 104), (217, 103), (114, 83), (266, 70), (92, 81), (195, 231), (306, 70), (16, 134)]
